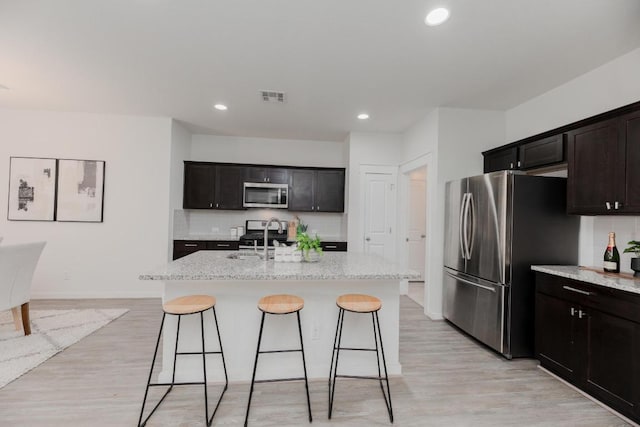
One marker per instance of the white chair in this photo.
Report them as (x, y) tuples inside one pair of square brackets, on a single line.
[(17, 264)]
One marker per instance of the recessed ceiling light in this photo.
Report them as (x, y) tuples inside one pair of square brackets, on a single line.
[(220, 107), (437, 16), (363, 116)]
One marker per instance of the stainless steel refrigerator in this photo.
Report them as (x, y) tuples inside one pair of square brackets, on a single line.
[(496, 226)]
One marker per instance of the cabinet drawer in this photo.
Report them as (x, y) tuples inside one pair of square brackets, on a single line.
[(223, 245), (334, 246), (189, 245)]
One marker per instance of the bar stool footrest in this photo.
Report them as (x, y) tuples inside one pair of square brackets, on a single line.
[(278, 380), (355, 349)]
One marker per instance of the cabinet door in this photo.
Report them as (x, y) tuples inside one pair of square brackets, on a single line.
[(199, 181), (267, 174), (182, 248), (594, 174), (547, 151), (501, 160), (612, 361), (329, 190), (228, 189), (631, 131), (301, 190), (278, 175), (556, 337)]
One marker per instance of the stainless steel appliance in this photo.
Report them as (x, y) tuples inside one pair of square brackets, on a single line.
[(265, 195), (254, 237), (496, 226)]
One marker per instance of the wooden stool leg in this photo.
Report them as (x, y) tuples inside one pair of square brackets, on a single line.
[(26, 323), (17, 318)]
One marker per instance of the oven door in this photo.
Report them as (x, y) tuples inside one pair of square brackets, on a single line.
[(265, 195)]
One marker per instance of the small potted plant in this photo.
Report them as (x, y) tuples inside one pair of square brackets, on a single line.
[(634, 247), (310, 247)]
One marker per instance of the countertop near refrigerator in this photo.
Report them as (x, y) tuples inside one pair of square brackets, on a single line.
[(583, 274)]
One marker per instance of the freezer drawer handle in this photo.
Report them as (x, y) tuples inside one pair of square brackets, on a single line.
[(469, 282), (580, 291)]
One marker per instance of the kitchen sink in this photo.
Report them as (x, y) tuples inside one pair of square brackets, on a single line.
[(250, 255)]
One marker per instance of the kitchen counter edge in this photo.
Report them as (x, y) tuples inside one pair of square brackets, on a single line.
[(576, 273)]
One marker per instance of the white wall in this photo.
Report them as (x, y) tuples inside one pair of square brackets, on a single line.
[(232, 149), (609, 86), (89, 260), (454, 140), (366, 149), (180, 151)]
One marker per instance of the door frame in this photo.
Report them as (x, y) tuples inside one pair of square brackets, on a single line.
[(425, 160), (383, 170)]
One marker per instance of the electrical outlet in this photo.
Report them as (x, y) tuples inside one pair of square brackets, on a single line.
[(315, 331)]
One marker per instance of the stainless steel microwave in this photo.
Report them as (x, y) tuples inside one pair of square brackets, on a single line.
[(265, 195)]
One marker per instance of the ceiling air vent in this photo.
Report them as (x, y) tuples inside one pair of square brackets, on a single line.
[(273, 97)]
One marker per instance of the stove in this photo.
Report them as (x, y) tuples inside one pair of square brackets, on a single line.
[(255, 234)]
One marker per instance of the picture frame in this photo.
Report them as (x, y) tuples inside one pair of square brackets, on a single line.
[(32, 189), (80, 190)]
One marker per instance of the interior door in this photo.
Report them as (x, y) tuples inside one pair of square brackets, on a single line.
[(379, 218), (487, 226), (416, 233), (455, 191)]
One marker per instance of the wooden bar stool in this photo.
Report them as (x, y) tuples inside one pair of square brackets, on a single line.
[(278, 305), (187, 305), (357, 303)]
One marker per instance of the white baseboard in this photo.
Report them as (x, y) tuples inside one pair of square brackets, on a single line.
[(433, 315), (150, 293)]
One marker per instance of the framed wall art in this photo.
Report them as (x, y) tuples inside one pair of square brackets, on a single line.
[(32, 189), (80, 195)]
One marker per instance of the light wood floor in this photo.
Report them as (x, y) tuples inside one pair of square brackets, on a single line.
[(448, 380)]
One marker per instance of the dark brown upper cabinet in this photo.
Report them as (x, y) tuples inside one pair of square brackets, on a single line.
[(267, 174), (500, 160), (604, 167), (316, 190), (212, 186), (545, 152)]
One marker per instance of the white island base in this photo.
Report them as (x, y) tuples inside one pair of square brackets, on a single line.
[(239, 322), (239, 284)]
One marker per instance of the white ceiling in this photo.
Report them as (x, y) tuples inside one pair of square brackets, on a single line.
[(333, 58)]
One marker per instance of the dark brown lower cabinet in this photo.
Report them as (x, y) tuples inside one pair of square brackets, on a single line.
[(589, 335), (182, 248)]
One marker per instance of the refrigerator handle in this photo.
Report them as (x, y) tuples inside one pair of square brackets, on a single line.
[(463, 239), (472, 231)]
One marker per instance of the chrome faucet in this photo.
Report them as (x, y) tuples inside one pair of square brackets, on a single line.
[(266, 235)]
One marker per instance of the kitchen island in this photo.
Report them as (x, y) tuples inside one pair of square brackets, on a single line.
[(238, 284)]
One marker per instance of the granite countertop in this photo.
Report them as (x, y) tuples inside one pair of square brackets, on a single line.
[(579, 273), (214, 265)]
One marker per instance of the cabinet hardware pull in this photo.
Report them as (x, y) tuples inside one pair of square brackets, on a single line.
[(222, 245), (511, 165), (210, 205), (580, 291), (190, 245), (617, 205), (318, 207), (312, 207), (518, 163), (608, 205), (581, 314), (573, 311), (331, 247), (216, 205)]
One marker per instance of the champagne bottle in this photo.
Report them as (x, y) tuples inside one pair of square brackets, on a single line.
[(612, 256)]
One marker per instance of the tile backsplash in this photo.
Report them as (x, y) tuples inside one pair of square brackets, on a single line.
[(205, 222), (626, 228)]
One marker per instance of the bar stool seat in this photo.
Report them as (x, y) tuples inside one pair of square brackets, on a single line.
[(359, 304), (279, 305), (191, 304), (184, 306)]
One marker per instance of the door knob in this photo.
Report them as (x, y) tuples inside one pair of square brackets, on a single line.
[(422, 236), (407, 239), (367, 239)]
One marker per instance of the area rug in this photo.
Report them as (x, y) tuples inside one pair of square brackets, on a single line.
[(51, 332)]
